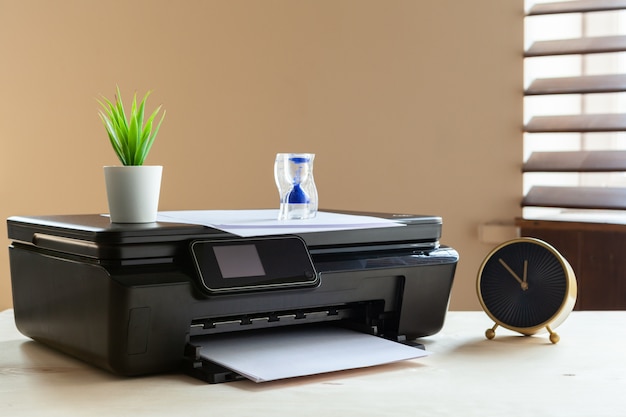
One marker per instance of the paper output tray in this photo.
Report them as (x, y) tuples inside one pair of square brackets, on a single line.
[(197, 366)]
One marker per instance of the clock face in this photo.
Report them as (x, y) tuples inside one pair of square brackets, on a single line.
[(524, 283)]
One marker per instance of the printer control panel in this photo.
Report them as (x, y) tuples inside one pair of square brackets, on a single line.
[(248, 264)]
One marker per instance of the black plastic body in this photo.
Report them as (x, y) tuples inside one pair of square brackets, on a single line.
[(79, 286)]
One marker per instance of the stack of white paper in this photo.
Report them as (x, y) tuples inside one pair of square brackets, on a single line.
[(248, 223)]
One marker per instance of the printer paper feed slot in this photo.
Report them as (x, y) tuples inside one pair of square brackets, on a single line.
[(200, 327), (299, 351)]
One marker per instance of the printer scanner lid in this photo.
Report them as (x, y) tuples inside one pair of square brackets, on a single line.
[(94, 236)]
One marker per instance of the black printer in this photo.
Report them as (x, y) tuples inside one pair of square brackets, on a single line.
[(131, 298)]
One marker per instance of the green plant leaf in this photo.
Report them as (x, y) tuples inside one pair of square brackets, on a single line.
[(130, 137)]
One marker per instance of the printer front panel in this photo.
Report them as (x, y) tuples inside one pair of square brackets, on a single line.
[(412, 288), (138, 319)]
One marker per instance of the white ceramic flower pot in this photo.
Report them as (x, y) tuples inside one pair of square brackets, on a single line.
[(133, 192)]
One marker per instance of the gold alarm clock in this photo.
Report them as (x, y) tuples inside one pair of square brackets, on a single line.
[(526, 285)]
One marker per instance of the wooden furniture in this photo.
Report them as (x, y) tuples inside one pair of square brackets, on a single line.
[(466, 375), (597, 254)]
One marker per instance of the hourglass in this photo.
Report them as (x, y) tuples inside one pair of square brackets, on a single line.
[(293, 173)]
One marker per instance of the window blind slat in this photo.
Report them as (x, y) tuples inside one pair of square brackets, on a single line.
[(602, 198), (580, 6), (591, 45), (576, 161), (612, 83), (584, 123)]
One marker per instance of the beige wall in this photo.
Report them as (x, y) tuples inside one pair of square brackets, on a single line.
[(410, 106)]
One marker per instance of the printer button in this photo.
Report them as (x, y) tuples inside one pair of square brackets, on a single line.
[(138, 330)]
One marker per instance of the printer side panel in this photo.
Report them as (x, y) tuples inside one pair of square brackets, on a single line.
[(79, 309), (425, 300), (60, 303)]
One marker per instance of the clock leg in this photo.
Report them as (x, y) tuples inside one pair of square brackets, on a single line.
[(554, 338), (491, 333)]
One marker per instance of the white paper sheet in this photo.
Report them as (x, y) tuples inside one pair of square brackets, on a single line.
[(273, 354), (247, 223)]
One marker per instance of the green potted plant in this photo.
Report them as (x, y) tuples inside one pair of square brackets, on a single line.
[(133, 188)]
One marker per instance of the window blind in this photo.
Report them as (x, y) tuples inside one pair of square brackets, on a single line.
[(575, 155)]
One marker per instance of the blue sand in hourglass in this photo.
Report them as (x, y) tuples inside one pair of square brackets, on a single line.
[(297, 195)]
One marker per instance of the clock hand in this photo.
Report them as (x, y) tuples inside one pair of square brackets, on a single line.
[(523, 284), (525, 276)]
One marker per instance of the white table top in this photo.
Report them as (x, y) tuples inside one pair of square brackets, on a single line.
[(467, 375)]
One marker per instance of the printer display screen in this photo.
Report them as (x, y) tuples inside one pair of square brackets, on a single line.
[(236, 261), (249, 264)]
